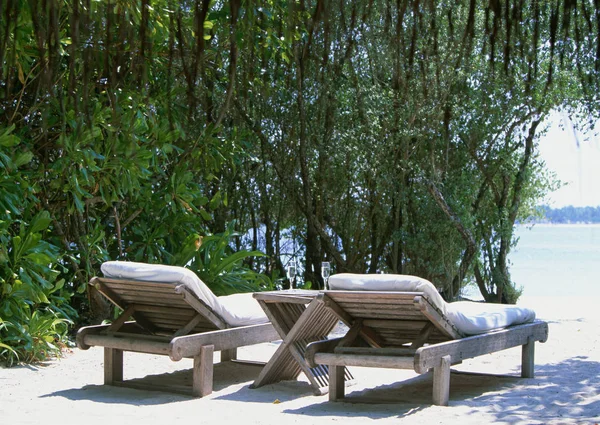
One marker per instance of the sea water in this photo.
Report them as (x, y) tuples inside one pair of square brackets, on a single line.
[(553, 260), (557, 260)]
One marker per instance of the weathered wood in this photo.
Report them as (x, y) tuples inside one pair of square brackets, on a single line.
[(127, 344), (202, 381), (228, 355), (416, 325), (139, 336), (120, 321), (423, 336), (364, 360), (337, 385), (385, 351), (270, 297), (190, 325), (372, 296), (339, 311), (165, 316), (108, 293), (224, 339), (201, 307), (437, 318), (298, 325), (131, 328), (129, 283), (315, 322), (113, 366), (327, 345), (466, 348), (527, 359), (186, 312), (134, 293), (441, 382)]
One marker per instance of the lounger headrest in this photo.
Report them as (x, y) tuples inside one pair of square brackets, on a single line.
[(236, 310), (387, 282), (470, 318)]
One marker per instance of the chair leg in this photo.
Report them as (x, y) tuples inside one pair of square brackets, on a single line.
[(113, 366), (229, 355), (202, 380), (337, 384), (527, 359), (441, 382)]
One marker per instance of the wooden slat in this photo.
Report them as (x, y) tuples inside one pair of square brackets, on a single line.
[(166, 300), (365, 360), (386, 351), (395, 324), (436, 317), (171, 311), (466, 348), (190, 325), (131, 283), (120, 321), (382, 314), (298, 326), (202, 307), (273, 297), (224, 339), (128, 344), (167, 317), (372, 296), (134, 289)]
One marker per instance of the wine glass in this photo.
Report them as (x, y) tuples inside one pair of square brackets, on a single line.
[(291, 272), (326, 272)]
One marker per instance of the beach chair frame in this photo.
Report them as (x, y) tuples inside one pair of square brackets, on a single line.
[(404, 330), (168, 320)]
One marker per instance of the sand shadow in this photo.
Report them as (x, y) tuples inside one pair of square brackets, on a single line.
[(279, 392), (225, 375), (552, 395)]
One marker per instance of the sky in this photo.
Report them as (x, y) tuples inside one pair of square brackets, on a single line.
[(575, 158)]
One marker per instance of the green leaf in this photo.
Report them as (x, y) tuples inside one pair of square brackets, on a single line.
[(215, 201), (22, 158), (7, 140), (40, 222)]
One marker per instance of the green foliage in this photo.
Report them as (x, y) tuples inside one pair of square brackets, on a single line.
[(387, 137), (222, 269), (34, 302)]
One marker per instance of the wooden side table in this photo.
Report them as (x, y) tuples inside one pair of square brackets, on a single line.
[(299, 318)]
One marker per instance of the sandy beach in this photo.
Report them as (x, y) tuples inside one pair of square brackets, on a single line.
[(488, 389)]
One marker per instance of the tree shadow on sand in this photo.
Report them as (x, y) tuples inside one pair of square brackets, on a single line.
[(569, 390)]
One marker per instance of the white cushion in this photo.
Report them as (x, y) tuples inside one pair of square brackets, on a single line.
[(387, 282), (236, 310), (473, 318), (470, 318)]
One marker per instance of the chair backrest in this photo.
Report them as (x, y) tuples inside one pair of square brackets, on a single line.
[(161, 308), (395, 319)]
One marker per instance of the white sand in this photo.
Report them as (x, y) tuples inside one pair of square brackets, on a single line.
[(566, 388)]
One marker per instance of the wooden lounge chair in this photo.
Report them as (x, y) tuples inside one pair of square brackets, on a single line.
[(408, 330), (171, 319)]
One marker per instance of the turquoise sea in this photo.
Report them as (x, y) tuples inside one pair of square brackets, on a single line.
[(557, 260)]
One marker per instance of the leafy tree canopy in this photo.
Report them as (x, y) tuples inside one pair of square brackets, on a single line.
[(381, 136)]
